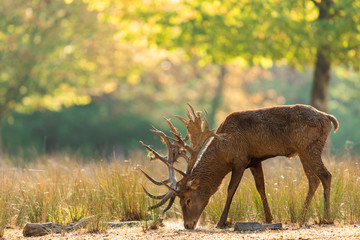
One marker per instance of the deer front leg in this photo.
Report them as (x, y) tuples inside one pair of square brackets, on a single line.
[(236, 176), (258, 175)]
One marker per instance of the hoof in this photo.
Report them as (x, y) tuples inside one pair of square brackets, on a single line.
[(268, 221), (223, 225), (326, 222), (220, 226)]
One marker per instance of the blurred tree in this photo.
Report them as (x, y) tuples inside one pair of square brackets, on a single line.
[(58, 53), (344, 98), (51, 54), (112, 123), (297, 33), (98, 129)]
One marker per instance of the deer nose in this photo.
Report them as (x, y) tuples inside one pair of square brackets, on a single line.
[(190, 225)]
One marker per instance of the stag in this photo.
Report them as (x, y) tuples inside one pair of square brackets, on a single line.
[(243, 140)]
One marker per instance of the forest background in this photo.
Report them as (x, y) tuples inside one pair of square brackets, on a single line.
[(91, 77)]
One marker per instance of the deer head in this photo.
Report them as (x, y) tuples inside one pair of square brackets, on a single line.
[(192, 201)]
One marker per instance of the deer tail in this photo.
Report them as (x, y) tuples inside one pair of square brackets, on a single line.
[(334, 122)]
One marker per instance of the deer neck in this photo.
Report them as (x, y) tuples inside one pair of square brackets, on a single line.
[(210, 170)]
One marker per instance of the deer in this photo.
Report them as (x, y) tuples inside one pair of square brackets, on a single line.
[(243, 140)]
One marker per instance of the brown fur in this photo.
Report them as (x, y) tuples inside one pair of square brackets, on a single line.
[(250, 138)]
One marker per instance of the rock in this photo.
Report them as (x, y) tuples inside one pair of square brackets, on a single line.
[(41, 229), (275, 226), (248, 226), (122, 224), (255, 226)]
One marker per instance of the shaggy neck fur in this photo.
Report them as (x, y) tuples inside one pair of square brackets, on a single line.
[(210, 171)]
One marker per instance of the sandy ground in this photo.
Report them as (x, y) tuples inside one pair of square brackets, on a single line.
[(176, 231)]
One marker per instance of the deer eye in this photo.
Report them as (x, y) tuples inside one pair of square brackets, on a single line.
[(188, 202)]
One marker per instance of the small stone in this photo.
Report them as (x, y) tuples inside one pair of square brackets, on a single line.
[(275, 226), (248, 226), (255, 226)]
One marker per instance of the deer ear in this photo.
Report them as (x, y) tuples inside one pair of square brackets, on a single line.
[(193, 184)]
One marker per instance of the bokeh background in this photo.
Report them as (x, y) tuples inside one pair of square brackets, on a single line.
[(90, 77)]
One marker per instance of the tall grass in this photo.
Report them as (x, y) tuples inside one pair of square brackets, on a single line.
[(62, 190), (286, 188)]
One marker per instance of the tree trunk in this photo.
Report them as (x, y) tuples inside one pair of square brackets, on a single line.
[(321, 81), (320, 88), (216, 101)]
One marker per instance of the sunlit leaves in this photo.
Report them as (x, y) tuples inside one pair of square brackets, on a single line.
[(93, 45), (45, 46), (219, 31)]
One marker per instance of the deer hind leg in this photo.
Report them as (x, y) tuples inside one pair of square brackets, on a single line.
[(236, 176), (314, 182), (315, 170), (325, 177), (258, 175)]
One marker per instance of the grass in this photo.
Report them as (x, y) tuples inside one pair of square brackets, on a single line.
[(286, 188), (61, 190)]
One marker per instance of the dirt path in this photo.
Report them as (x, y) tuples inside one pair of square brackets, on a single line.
[(175, 231)]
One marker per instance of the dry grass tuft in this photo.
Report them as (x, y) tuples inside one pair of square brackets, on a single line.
[(61, 190)]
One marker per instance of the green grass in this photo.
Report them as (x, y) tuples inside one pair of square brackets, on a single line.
[(60, 190)]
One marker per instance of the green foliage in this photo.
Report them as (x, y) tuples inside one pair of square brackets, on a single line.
[(111, 124), (292, 33), (345, 105), (47, 54), (256, 31), (89, 130), (60, 53)]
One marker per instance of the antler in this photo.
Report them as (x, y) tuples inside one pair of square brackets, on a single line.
[(198, 132), (174, 152)]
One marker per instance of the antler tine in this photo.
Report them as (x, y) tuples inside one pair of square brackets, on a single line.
[(177, 141), (205, 122), (173, 150), (171, 166), (153, 196), (159, 183), (171, 188), (183, 120), (206, 114), (171, 202), (183, 155), (182, 143), (195, 114), (161, 158), (157, 155), (174, 130), (163, 201), (165, 139), (165, 197), (199, 132)]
